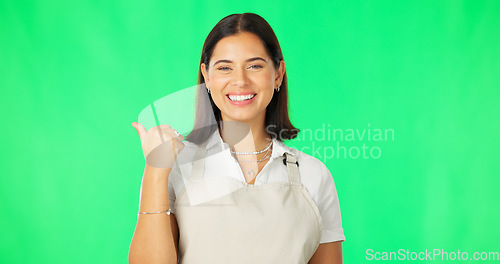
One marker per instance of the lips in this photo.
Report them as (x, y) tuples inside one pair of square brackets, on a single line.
[(241, 99), (233, 97), (240, 93)]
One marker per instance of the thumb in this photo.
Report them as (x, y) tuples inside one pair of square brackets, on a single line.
[(140, 130)]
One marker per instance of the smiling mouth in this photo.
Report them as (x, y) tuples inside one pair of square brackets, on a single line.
[(241, 98)]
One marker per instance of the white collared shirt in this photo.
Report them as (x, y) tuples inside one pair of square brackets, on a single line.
[(314, 175)]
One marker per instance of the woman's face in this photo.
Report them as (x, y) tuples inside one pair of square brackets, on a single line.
[(242, 78)]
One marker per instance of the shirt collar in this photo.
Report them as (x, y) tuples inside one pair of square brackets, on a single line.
[(279, 148)]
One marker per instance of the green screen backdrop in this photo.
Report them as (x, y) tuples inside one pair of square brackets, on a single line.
[(398, 98)]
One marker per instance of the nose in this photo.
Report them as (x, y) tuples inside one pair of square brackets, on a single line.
[(240, 78)]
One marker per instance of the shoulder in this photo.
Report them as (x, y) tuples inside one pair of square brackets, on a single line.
[(187, 154)]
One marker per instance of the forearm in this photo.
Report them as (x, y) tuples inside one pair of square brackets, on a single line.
[(155, 235), (328, 253)]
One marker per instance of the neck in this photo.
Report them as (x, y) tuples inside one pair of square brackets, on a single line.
[(245, 137)]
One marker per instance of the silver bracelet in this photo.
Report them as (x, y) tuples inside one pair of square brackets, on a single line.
[(169, 211)]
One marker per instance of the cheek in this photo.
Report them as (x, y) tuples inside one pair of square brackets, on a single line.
[(218, 76), (218, 83), (266, 82), (268, 78)]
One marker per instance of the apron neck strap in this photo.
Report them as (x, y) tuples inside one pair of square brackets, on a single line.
[(293, 168), (199, 161)]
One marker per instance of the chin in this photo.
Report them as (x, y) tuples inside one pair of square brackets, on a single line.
[(241, 118)]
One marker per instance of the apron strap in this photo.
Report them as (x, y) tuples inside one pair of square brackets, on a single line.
[(199, 161), (292, 167)]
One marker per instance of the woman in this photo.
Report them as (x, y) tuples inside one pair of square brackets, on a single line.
[(241, 195)]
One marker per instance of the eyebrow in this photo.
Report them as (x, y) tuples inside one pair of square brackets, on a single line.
[(249, 60)]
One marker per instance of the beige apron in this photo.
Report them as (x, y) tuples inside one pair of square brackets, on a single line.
[(273, 223)]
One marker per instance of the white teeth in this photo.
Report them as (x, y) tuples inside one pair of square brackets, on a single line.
[(241, 97)]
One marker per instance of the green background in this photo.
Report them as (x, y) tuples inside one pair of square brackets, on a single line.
[(75, 74)]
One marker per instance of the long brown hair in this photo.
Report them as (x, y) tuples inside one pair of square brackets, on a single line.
[(208, 116)]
